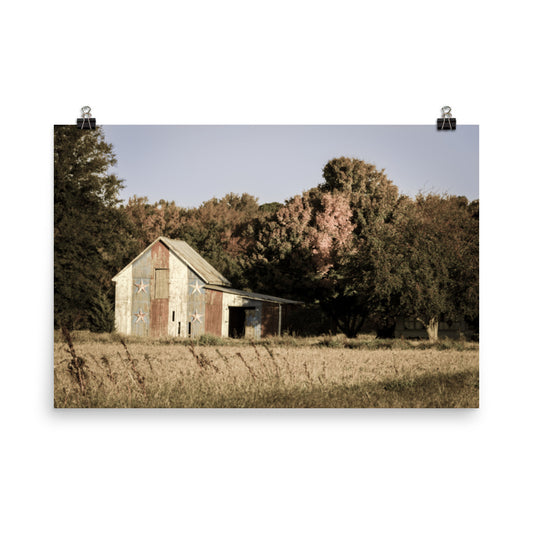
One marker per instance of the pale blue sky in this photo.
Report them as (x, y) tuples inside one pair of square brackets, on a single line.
[(191, 164)]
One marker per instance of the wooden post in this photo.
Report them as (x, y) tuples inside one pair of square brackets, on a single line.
[(279, 320)]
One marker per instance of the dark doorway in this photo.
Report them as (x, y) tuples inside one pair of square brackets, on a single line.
[(237, 318)]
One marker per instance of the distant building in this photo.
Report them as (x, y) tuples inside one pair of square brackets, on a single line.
[(170, 289), (411, 328)]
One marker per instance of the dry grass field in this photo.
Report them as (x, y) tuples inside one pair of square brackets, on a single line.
[(277, 372)]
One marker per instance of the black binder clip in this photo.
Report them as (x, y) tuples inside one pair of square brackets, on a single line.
[(446, 122), (86, 122)]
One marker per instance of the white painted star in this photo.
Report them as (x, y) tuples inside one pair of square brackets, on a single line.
[(196, 317), (196, 287), (140, 316), (141, 287)]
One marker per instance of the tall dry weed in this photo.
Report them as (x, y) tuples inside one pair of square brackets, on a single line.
[(76, 365), (149, 361), (110, 375), (307, 374), (275, 363), (223, 357), (138, 376), (248, 367), (202, 361)]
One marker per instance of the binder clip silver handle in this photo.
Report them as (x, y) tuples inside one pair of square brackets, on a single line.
[(446, 122), (86, 122)]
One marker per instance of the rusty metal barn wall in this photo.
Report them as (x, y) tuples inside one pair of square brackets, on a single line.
[(159, 255), (213, 312), (195, 304), (270, 319), (178, 293), (158, 306), (123, 297), (140, 295)]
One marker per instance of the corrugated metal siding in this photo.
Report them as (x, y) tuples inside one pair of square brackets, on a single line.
[(159, 320), (161, 283), (213, 312), (159, 253), (208, 273), (177, 302), (140, 301), (123, 297), (269, 319), (252, 325), (195, 305), (159, 306)]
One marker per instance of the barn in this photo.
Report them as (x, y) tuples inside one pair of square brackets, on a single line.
[(170, 289)]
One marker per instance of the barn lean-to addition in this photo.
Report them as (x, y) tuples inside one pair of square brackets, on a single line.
[(170, 289)]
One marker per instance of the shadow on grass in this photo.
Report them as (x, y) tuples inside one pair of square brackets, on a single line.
[(429, 391), (457, 390)]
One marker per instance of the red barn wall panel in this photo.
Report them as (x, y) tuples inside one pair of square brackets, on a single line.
[(158, 306), (159, 255), (213, 312), (159, 321), (269, 319)]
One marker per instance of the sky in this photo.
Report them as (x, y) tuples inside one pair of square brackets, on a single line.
[(192, 164)]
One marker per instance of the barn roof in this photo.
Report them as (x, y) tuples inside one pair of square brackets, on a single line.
[(191, 258), (252, 295), (196, 262)]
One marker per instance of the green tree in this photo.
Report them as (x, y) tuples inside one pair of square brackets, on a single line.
[(368, 254), (370, 280), (92, 238), (101, 315), (372, 195), (326, 246), (439, 250), (362, 286)]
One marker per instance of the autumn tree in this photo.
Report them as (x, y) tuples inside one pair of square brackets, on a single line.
[(319, 246), (372, 195), (215, 229), (91, 236), (150, 221), (298, 249), (361, 287)]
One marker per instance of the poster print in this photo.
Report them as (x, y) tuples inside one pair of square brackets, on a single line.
[(266, 266)]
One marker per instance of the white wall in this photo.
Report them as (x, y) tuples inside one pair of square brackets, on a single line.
[(177, 296), (123, 297)]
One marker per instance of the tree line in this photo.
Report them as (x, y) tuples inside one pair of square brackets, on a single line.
[(353, 249)]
